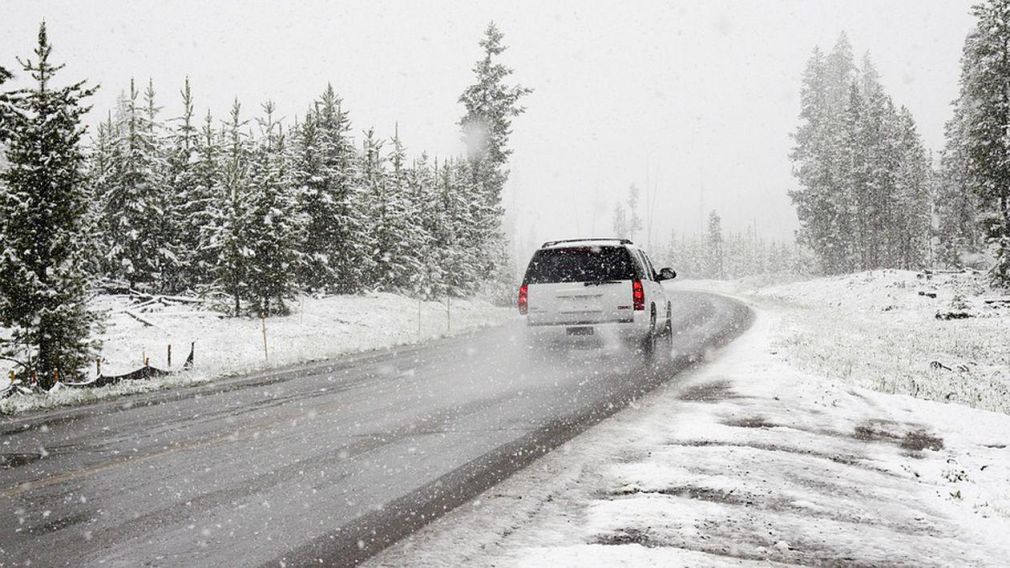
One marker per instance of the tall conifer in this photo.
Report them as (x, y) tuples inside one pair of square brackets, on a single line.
[(45, 227)]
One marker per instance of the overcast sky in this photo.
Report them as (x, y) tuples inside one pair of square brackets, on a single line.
[(698, 97)]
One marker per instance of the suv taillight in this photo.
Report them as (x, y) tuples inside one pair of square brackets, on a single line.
[(523, 300), (637, 295)]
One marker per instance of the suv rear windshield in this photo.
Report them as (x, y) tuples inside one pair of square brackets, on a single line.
[(580, 264)]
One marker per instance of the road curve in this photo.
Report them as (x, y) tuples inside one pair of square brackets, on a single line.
[(328, 462)]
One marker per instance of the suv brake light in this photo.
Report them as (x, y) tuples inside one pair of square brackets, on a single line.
[(523, 299), (637, 295)]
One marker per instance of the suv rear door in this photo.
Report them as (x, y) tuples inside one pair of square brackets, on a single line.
[(580, 285)]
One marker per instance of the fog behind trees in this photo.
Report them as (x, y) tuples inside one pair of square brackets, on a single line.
[(693, 102)]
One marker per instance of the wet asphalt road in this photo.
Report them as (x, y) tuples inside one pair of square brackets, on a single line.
[(324, 463)]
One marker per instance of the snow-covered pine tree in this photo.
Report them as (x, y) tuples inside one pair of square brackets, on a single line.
[(422, 186), (619, 222), (206, 215), (100, 167), (670, 254), (456, 260), (842, 155), (714, 246), (491, 104), (166, 229), (821, 203), (135, 197), (874, 169), (271, 224), (481, 241), (698, 251), (840, 72), (6, 110), (956, 205), (305, 170), (371, 206), (187, 203), (325, 175), (45, 227), (984, 102), (407, 236), (852, 195), (912, 219), (229, 240)]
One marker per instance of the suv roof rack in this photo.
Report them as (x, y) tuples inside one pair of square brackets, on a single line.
[(552, 243)]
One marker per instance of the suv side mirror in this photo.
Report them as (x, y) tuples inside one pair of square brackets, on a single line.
[(667, 274)]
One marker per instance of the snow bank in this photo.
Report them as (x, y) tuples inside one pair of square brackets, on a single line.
[(319, 328), (882, 330)]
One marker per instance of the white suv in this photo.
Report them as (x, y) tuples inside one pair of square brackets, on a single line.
[(595, 287)]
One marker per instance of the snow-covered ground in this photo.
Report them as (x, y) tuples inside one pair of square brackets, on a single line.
[(779, 452), (318, 328), (880, 330)]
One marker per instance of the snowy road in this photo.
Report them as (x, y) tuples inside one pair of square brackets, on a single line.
[(329, 461)]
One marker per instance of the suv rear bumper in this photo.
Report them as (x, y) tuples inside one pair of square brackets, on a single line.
[(548, 323), (634, 328)]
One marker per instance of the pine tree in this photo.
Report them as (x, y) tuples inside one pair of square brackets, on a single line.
[(421, 185), (270, 223), (136, 196), (324, 171), (715, 249), (491, 104), (912, 219), (957, 206), (6, 109), (984, 104), (873, 172), (620, 222), (840, 72), (44, 224), (393, 231), (100, 169), (206, 214), (821, 203), (372, 206), (229, 241), (843, 158), (187, 203), (407, 237), (458, 262)]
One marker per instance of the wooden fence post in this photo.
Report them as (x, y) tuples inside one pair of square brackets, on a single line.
[(266, 354)]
